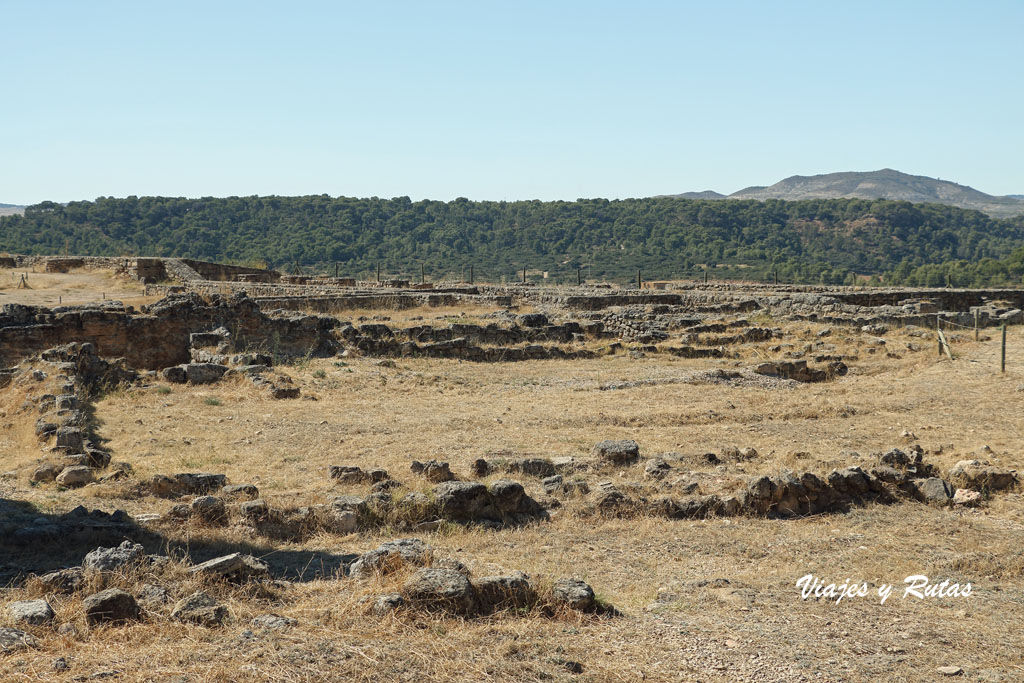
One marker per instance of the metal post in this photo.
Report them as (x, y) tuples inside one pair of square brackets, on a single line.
[(639, 282), (579, 277), (975, 324), (524, 275), (378, 272), (423, 275), (472, 273)]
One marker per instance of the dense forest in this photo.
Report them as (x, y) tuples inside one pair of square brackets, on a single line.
[(831, 241)]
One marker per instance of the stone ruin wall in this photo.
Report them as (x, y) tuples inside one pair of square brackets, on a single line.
[(158, 336)]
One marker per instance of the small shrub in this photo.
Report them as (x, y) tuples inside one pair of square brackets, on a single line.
[(163, 391), (212, 401), (319, 374)]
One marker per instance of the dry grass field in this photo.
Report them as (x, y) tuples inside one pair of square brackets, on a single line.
[(710, 599), (80, 286)]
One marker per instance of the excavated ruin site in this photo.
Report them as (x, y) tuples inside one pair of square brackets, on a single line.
[(222, 473)]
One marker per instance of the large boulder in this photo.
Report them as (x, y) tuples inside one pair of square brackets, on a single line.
[(624, 452), (443, 590), (113, 559), (390, 556), (111, 606)]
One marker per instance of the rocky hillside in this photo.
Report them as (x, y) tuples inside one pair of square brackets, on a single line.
[(883, 184)]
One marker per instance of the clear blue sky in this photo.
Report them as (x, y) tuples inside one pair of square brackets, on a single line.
[(514, 100)]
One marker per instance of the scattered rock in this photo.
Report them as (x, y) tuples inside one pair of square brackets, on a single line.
[(390, 556), (967, 498), (75, 476), (975, 474), (949, 671), (442, 590), (204, 373), (273, 622), (623, 452), (573, 593), (153, 595), (433, 470), (114, 559), (505, 592), (932, 490), (462, 500), (44, 473), (200, 608), (656, 468), (241, 491), (32, 612), (255, 510), (387, 603), (111, 606), (534, 467), (235, 567), (63, 580), (12, 640), (347, 474), (209, 509)]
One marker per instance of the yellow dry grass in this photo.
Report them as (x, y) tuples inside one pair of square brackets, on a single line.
[(80, 286), (707, 599)]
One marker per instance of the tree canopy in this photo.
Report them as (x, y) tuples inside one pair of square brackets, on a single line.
[(829, 241)]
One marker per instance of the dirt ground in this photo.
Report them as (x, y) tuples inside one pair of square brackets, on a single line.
[(712, 599), (78, 287)]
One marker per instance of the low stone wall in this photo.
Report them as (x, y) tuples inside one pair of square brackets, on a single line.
[(158, 336)]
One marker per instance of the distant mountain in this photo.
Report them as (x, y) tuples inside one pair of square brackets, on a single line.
[(884, 184), (11, 209), (706, 194)]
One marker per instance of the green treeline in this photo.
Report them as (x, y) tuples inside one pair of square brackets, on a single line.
[(828, 241)]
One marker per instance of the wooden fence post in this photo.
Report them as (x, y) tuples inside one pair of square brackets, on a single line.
[(639, 282), (975, 324), (524, 275), (579, 277), (472, 275), (1002, 356)]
